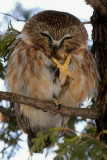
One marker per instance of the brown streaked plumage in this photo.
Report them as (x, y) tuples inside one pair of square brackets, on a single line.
[(31, 71)]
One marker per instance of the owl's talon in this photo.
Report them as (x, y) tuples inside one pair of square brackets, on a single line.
[(63, 68), (59, 106), (58, 103)]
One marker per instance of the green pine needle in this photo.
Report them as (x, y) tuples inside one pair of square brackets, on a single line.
[(5, 41)]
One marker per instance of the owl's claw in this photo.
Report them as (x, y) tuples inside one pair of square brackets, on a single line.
[(59, 106), (63, 68), (58, 103)]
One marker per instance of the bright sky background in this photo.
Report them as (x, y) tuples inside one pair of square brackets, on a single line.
[(75, 7)]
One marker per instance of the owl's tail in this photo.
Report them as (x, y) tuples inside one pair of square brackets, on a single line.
[(30, 143), (47, 141)]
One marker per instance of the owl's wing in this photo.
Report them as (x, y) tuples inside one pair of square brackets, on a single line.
[(13, 45), (22, 120), (24, 125)]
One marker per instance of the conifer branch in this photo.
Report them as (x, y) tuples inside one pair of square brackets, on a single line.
[(50, 106)]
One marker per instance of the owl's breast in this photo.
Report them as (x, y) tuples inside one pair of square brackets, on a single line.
[(32, 75)]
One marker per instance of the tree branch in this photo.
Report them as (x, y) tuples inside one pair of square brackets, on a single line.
[(15, 140), (99, 5), (6, 14), (88, 22), (50, 106)]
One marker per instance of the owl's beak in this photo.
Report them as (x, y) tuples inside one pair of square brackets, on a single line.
[(55, 47)]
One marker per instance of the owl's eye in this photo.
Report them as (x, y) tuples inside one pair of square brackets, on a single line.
[(46, 35), (66, 38)]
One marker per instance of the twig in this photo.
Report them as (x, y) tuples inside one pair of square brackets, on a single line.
[(17, 19), (12, 143), (50, 106), (88, 22), (98, 137), (6, 14), (71, 130)]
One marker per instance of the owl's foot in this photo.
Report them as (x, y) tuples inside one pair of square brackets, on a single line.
[(58, 103), (59, 106), (63, 68)]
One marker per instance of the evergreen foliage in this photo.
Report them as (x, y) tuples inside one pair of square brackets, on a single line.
[(73, 146), (5, 41)]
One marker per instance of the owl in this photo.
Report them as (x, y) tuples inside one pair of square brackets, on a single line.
[(49, 60)]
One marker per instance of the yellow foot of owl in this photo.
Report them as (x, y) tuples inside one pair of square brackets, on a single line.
[(64, 68)]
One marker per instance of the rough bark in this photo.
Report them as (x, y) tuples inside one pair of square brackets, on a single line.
[(99, 49)]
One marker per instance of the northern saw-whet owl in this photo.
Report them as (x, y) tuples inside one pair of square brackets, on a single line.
[(47, 37)]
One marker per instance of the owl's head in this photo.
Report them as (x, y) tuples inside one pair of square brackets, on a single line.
[(55, 33)]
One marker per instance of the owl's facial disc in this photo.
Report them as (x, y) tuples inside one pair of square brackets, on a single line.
[(57, 45)]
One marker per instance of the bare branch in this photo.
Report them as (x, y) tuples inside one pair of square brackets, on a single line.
[(88, 22), (12, 143), (80, 133), (6, 14), (50, 106)]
